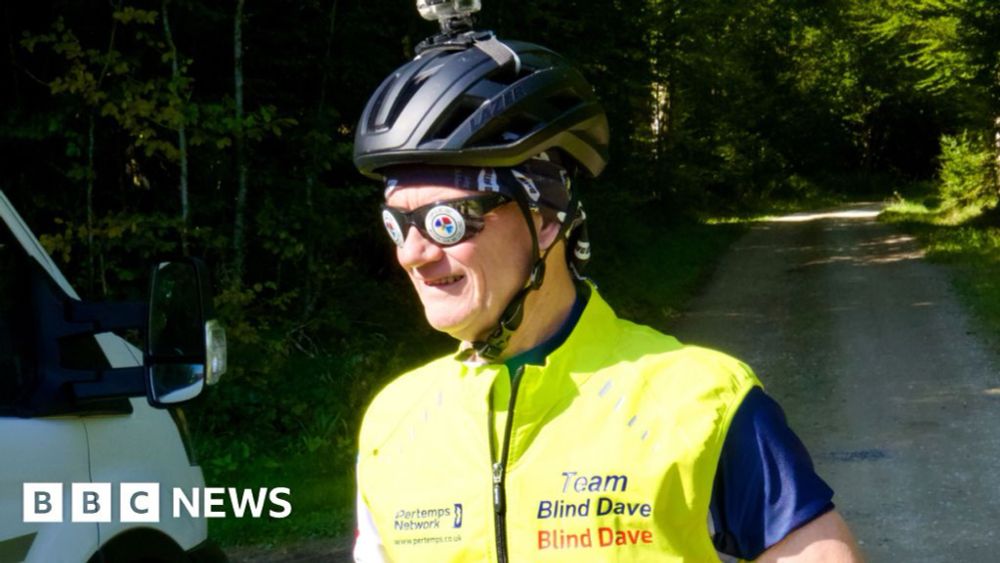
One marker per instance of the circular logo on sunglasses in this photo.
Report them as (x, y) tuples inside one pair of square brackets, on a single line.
[(392, 227), (445, 225)]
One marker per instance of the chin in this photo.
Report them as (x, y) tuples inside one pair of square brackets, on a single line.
[(457, 327)]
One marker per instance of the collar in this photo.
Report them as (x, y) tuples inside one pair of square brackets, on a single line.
[(537, 355), (595, 329)]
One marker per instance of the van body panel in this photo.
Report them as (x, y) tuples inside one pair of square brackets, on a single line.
[(151, 435), (44, 450)]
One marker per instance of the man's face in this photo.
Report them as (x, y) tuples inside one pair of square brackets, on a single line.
[(464, 287)]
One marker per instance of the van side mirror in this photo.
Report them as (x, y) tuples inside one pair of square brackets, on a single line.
[(185, 347)]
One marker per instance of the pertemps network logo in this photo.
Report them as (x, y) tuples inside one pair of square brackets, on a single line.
[(140, 502)]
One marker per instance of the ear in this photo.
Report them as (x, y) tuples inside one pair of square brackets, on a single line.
[(547, 233)]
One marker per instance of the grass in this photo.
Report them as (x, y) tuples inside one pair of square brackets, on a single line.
[(322, 499), (967, 239)]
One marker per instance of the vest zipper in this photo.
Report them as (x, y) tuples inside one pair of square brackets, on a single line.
[(499, 471)]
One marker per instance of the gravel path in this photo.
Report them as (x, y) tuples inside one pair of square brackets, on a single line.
[(880, 371)]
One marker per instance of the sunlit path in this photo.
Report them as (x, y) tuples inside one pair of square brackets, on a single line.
[(879, 369)]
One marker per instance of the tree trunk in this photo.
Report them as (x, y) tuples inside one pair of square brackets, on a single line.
[(996, 153), (91, 176), (311, 179), (181, 129), (311, 291), (239, 250), (92, 172)]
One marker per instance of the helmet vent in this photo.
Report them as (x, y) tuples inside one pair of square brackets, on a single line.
[(506, 76), (397, 93), (372, 116), (521, 125), (514, 127), (459, 114), (401, 101), (564, 101)]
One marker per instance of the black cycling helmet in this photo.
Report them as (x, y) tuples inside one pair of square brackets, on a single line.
[(474, 100)]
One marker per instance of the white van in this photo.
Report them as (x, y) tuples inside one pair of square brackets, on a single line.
[(76, 405)]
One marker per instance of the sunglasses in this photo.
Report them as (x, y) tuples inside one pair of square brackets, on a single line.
[(444, 222)]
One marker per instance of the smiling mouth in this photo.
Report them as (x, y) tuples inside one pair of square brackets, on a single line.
[(443, 281)]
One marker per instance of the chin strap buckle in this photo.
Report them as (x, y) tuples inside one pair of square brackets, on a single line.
[(494, 345), (537, 274)]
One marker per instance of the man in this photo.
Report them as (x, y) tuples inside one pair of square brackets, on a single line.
[(558, 432)]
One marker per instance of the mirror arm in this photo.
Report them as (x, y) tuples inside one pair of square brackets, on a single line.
[(106, 316), (95, 317), (116, 382)]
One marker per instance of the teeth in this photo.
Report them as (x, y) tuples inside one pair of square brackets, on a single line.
[(445, 281)]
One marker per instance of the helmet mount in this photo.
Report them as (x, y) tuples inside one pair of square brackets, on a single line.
[(454, 16), (456, 21)]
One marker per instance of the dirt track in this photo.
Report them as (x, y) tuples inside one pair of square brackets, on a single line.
[(880, 371)]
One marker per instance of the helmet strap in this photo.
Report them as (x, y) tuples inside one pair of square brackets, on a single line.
[(510, 320)]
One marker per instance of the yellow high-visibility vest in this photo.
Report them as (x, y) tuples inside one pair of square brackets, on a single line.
[(612, 452)]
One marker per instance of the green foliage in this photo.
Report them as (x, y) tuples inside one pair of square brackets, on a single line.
[(122, 232), (936, 36), (648, 263), (951, 47), (130, 14), (968, 171)]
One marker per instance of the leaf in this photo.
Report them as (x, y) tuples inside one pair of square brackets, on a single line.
[(130, 14)]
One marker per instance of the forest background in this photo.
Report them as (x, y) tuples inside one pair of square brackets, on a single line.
[(131, 130)]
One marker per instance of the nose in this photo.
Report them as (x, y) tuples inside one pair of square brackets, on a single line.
[(417, 250)]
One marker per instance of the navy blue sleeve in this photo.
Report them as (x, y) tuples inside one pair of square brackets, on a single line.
[(765, 485)]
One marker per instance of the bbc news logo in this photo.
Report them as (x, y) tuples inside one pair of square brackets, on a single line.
[(140, 502)]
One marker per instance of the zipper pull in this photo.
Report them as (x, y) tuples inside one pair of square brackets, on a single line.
[(498, 506)]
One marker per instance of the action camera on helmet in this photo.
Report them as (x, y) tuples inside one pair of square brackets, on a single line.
[(454, 16)]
